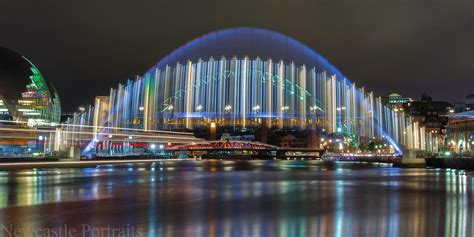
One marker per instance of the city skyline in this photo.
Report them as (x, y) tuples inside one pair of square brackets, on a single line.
[(362, 48), (236, 118)]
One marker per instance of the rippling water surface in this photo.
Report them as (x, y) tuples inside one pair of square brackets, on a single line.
[(261, 198)]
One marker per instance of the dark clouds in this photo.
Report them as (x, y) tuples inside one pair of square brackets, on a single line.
[(85, 47)]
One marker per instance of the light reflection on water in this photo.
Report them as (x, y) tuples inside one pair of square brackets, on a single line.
[(260, 198)]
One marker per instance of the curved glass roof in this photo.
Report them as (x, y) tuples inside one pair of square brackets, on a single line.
[(251, 42), (21, 80), (14, 74), (17, 72)]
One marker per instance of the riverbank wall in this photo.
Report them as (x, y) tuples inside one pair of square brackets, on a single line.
[(450, 163)]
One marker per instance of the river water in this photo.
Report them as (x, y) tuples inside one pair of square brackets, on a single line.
[(216, 198)]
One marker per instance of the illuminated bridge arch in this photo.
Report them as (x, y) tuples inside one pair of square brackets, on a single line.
[(245, 77)]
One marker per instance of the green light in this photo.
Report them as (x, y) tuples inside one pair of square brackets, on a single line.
[(37, 78), (39, 86)]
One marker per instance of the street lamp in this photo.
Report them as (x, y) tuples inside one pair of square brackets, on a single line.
[(256, 108), (285, 109), (314, 108), (141, 116), (199, 108), (227, 109)]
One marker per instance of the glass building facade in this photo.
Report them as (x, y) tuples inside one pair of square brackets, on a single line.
[(24, 93)]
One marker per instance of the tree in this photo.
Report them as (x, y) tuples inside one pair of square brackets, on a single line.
[(371, 146), (425, 97)]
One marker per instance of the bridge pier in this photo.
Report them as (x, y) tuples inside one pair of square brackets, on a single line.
[(262, 154), (280, 155), (411, 159)]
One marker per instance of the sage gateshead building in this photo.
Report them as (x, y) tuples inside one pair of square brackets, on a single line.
[(242, 78), (25, 96), (30, 108)]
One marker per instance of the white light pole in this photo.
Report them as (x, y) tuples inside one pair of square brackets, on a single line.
[(285, 110), (227, 109)]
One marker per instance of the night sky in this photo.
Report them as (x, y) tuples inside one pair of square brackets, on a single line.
[(84, 47)]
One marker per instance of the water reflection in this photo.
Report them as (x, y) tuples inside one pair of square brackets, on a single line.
[(261, 198)]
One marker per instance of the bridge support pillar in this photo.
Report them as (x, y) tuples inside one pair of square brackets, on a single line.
[(74, 152), (411, 159), (262, 154), (280, 155)]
